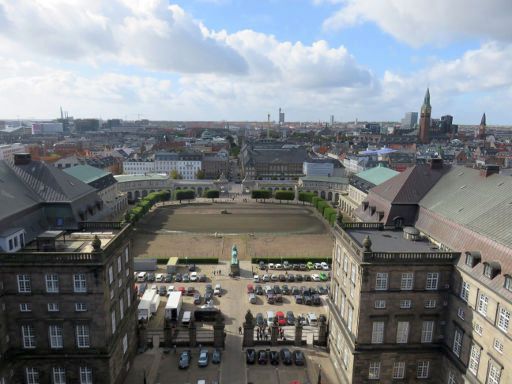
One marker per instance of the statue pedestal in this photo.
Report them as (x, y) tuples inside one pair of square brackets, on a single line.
[(235, 269)]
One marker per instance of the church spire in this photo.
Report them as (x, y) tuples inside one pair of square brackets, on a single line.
[(483, 121), (426, 101)]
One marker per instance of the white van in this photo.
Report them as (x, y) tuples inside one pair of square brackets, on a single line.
[(312, 319), (185, 321), (141, 277), (270, 318)]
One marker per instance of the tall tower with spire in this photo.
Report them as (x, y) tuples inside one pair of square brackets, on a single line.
[(426, 110), (480, 132)]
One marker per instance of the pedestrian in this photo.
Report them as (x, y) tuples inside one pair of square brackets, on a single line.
[(239, 330), (174, 348), (213, 273), (258, 336)]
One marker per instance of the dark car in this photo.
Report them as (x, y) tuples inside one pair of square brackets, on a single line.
[(151, 277), (190, 291), (296, 267), (178, 278), (274, 357), (322, 290), (303, 267), (250, 356), (186, 278), (162, 291), (307, 277), (291, 277), (262, 265), (142, 288), (216, 356), (304, 289), (286, 356), (262, 357), (260, 320), (208, 287), (313, 290), (282, 277), (208, 296), (298, 277), (277, 289), (191, 267), (202, 278), (298, 299), (270, 298), (285, 290), (295, 291), (168, 278), (306, 297), (258, 290), (197, 298), (185, 358), (290, 318), (316, 299), (278, 298), (298, 357)]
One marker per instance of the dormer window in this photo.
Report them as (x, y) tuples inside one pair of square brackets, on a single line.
[(491, 269), (472, 258), (508, 282)]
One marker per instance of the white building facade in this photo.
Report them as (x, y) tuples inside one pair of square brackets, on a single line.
[(318, 168), (7, 151), (135, 167)]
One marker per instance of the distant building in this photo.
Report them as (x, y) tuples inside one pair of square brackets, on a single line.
[(138, 167), (7, 151), (480, 131), (86, 125), (426, 110), (187, 164), (281, 116), (47, 128), (318, 168), (215, 164), (409, 120)]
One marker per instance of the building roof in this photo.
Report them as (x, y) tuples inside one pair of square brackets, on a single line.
[(326, 179), (411, 185), (482, 204), (149, 176), (391, 241), (86, 173), (377, 175)]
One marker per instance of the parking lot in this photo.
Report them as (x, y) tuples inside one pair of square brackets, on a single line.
[(234, 303)]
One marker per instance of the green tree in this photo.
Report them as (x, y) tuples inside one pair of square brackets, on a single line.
[(261, 194), (175, 175), (211, 194), (306, 197), (185, 194), (200, 174), (284, 195)]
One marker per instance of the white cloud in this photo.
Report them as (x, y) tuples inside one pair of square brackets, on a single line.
[(429, 21)]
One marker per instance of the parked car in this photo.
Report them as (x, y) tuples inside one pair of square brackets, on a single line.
[(154, 287), (270, 318), (295, 290), (274, 277), (262, 357), (315, 277), (306, 297), (202, 278), (296, 267), (286, 265), (298, 299), (256, 278), (184, 361), (286, 356), (197, 298), (271, 298), (208, 297), (162, 291), (316, 299), (151, 277), (142, 288), (282, 277), (260, 320), (216, 356), (190, 291), (218, 290), (191, 267), (298, 277), (182, 290), (313, 290), (312, 319), (168, 278), (291, 277), (178, 278), (278, 298), (203, 358), (186, 278), (323, 276), (252, 298), (262, 265), (193, 276), (159, 277), (266, 277), (318, 266), (276, 289), (290, 318), (271, 266), (250, 288), (268, 289), (209, 287), (298, 357), (322, 290), (258, 290), (280, 318), (278, 266), (250, 356), (325, 266), (303, 267), (170, 289), (285, 290), (274, 357), (307, 277)]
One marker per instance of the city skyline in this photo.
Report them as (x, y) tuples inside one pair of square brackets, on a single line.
[(233, 60)]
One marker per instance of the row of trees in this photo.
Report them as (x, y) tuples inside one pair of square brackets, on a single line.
[(190, 194), (144, 205)]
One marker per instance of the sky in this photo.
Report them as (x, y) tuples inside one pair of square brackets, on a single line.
[(242, 59)]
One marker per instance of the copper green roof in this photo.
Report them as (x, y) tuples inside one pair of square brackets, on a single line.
[(86, 173), (377, 175)]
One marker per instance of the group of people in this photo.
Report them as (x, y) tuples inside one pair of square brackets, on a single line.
[(262, 334), (217, 272)]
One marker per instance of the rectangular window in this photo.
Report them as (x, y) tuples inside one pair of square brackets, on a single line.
[(113, 318), (508, 283), (353, 274), (28, 335), (488, 271), (121, 307), (405, 304), (483, 301), (430, 304), (427, 331), (374, 371), (82, 336), (24, 285), (478, 329), (55, 334), (52, 283), (407, 281), (349, 319), (402, 332), (53, 307), (126, 255), (432, 281), (451, 378), (503, 319), (464, 291), (474, 359), (59, 376), (85, 375), (399, 370), (80, 307), (125, 343), (79, 283), (380, 304), (498, 345), (457, 342), (128, 297), (422, 370), (494, 375), (119, 264), (25, 307), (32, 376), (378, 332), (110, 274), (461, 314), (381, 281)]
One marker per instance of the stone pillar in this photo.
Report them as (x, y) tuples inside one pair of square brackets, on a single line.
[(274, 332), (218, 332), (192, 334), (322, 331), (248, 340), (298, 333)]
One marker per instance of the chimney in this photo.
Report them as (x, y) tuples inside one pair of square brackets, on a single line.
[(488, 170), (22, 158), (436, 163)]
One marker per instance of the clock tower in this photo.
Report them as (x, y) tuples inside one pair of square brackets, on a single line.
[(426, 110)]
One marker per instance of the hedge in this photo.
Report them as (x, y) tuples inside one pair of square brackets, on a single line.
[(211, 194), (321, 205), (306, 197), (330, 215), (184, 194), (284, 195), (314, 200), (144, 205), (291, 260), (182, 260), (261, 194)]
